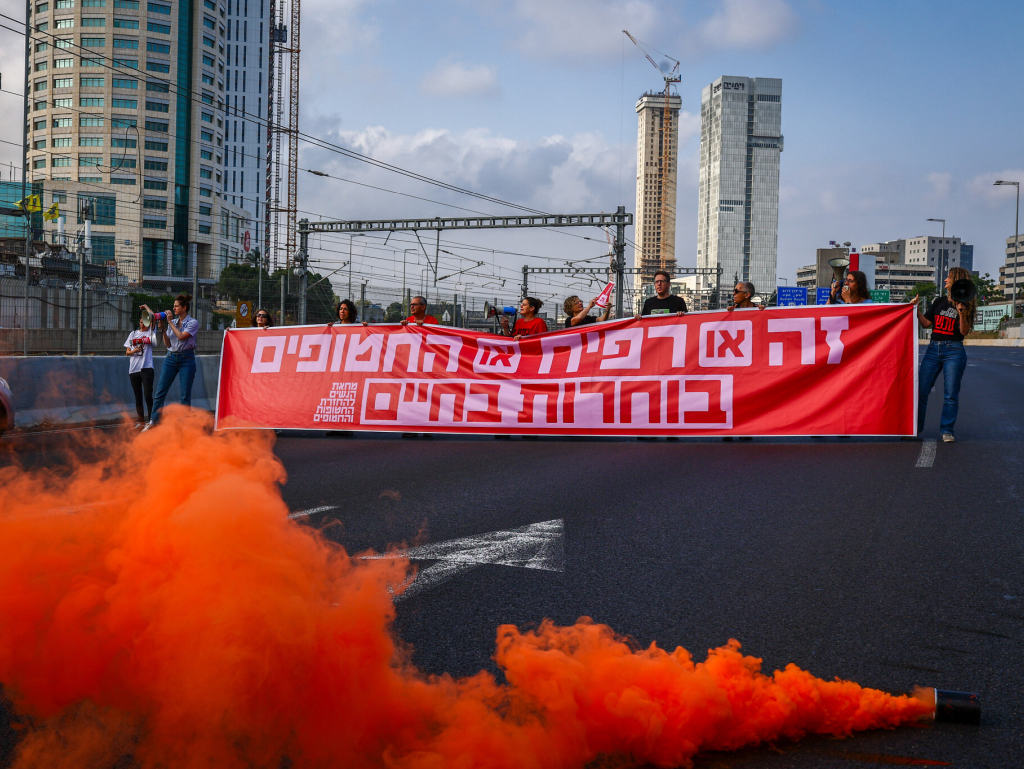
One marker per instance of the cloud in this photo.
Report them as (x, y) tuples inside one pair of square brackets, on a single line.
[(571, 29), (456, 79), (983, 185), (749, 23), (941, 182)]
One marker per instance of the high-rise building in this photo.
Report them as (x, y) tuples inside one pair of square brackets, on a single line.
[(738, 195), (654, 225), (128, 112)]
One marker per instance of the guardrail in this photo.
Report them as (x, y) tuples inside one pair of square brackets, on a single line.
[(68, 389)]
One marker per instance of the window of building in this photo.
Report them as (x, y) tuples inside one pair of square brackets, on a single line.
[(61, 4), (209, 23), (41, 47), (127, 4), (63, 63), (42, 26), (40, 85), (122, 142), (206, 117), (156, 146), (154, 184), (159, 8), (130, 180), (154, 165), (123, 122), (156, 125), (206, 136), (91, 180), (154, 224), (209, 42), (61, 141), (62, 122), (156, 106), (124, 103), (64, 43), (39, 163), (205, 192), (86, 82), (95, 21), (156, 66), (93, 42), (64, 24), (158, 86), (42, 7), (39, 125), (126, 23), (90, 141), (90, 160), (90, 101), (90, 61), (39, 144), (153, 47), (128, 63), (94, 3), (209, 61), (208, 79), (204, 210), (163, 29), (41, 66), (124, 82), (63, 103), (204, 229), (158, 204), (61, 161), (121, 162), (206, 154), (59, 196), (205, 173), (90, 121), (124, 42)]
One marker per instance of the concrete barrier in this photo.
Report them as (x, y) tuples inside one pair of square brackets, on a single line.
[(67, 389)]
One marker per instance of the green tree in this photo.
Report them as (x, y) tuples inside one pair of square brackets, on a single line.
[(394, 314), (924, 290), (241, 282), (988, 293)]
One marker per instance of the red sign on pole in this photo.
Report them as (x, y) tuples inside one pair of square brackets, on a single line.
[(791, 371), (246, 242)]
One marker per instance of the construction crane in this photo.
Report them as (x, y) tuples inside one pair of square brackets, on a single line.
[(669, 70)]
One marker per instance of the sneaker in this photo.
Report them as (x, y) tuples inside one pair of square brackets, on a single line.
[(148, 426), (948, 438)]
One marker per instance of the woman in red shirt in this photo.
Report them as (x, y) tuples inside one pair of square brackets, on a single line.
[(528, 323)]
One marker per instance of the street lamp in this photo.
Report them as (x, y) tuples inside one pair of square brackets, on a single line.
[(940, 273), (1016, 244)]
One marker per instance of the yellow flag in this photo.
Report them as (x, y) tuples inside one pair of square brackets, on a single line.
[(31, 204), (52, 213)]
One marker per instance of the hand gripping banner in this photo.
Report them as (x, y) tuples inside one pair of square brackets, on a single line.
[(793, 371)]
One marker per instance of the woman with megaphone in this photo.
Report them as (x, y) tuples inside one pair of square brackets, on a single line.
[(951, 318)]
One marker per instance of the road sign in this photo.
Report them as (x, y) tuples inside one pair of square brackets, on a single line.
[(822, 295), (246, 242), (791, 296), (880, 295)]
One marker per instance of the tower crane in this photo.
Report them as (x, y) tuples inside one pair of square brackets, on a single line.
[(669, 70)]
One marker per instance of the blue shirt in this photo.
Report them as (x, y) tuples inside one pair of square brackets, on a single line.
[(189, 324)]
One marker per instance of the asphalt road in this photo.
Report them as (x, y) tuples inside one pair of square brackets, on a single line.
[(891, 563)]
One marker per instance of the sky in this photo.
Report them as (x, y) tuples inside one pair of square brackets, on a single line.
[(893, 112)]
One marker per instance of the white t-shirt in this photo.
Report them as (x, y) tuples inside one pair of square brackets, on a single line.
[(144, 359)]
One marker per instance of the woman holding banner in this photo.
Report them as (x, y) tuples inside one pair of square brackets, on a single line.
[(528, 323), (576, 313), (950, 318)]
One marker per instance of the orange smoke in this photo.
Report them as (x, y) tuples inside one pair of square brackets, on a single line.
[(158, 608)]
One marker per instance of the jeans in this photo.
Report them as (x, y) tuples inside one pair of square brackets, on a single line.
[(951, 359), (175, 363)]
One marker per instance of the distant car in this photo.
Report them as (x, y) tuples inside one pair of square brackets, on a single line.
[(51, 283), (6, 406)]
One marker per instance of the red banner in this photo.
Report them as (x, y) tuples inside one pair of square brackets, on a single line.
[(829, 370)]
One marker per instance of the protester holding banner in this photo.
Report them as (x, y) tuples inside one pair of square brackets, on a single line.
[(950, 318), (139, 349), (527, 324), (418, 307), (180, 339), (664, 302), (743, 297), (854, 289), (346, 313), (263, 318), (577, 313)]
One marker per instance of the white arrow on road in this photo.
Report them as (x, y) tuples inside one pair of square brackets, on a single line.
[(536, 546)]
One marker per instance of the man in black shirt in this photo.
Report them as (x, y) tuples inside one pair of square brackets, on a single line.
[(664, 303)]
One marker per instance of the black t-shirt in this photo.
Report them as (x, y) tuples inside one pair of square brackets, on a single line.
[(945, 321), (586, 319), (670, 305)]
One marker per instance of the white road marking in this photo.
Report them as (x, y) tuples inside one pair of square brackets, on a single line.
[(536, 546), (312, 511), (927, 456)]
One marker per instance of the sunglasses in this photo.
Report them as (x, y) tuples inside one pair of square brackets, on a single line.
[(262, 315)]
